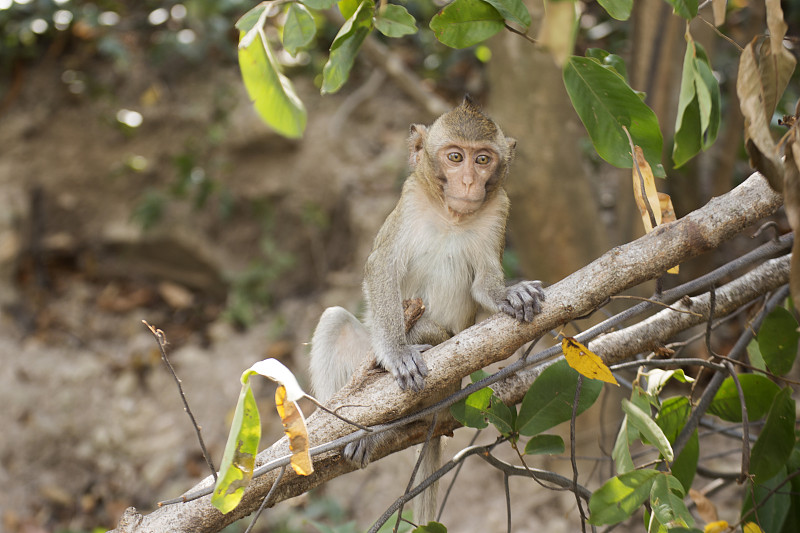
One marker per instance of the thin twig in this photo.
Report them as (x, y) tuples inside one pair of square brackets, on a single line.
[(745, 426), (508, 502), (718, 32), (337, 415), (266, 499), (161, 339), (769, 225), (520, 33), (654, 302), (575, 401), (712, 304), (560, 482)]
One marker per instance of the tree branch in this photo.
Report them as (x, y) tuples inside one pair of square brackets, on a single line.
[(373, 396)]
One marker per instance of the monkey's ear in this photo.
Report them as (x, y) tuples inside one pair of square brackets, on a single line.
[(511, 142), (416, 142), (469, 101)]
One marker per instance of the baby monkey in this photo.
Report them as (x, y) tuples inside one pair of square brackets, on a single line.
[(443, 243)]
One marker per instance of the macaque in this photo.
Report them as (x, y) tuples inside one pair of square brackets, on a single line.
[(443, 243)]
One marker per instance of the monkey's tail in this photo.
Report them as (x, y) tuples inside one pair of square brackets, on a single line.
[(425, 504)]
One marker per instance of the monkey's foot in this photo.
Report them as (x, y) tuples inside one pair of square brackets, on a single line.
[(408, 367), (359, 452), (524, 300)]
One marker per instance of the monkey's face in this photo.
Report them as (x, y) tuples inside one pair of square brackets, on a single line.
[(467, 171)]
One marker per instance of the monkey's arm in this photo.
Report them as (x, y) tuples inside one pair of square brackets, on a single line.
[(522, 301), (382, 275)]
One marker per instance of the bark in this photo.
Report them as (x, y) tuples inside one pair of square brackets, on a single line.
[(373, 396)]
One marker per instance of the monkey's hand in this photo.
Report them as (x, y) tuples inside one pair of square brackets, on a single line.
[(523, 301), (407, 366)]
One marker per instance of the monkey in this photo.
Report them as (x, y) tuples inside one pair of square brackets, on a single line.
[(443, 243)]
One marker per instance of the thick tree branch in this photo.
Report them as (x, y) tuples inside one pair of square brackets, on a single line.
[(373, 396)]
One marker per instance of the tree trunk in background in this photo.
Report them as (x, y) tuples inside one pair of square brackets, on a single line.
[(554, 224)]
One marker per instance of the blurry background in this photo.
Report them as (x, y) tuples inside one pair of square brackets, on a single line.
[(136, 182)]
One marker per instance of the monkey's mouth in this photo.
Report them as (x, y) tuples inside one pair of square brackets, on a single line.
[(463, 206)]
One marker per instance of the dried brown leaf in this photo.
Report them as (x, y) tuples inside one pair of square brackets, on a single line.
[(705, 507), (758, 140), (791, 200), (650, 190), (776, 65)]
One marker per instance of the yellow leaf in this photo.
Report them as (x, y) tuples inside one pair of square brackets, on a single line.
[(294, 425), (751, 527), (585, 362), (705, 508), (650, 190), (716, 527)]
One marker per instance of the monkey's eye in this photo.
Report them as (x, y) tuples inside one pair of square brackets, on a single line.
[(482, 159), (455, 157)]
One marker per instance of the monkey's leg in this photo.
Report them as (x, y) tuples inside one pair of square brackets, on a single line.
[(339, 344)]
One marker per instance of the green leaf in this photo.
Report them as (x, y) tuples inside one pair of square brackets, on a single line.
[(666, 502), (395, 21), (776, 441), (792, 522), (622, 449), (299, 29), (466, 22), (239, 458), (512, 10), (754, 353), (545, 444), (319, 4), (548, 402), (771, 507), (250, 20), (345, 47), (671, 418), (618, 9), (777, 340), (759, 393), (500, 415), (685, 8), (609, 60), (697, 122), (275, 99), (604, 102), (648, 428), (620, 497), (348, 7), (471, 411), (431, 527)]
